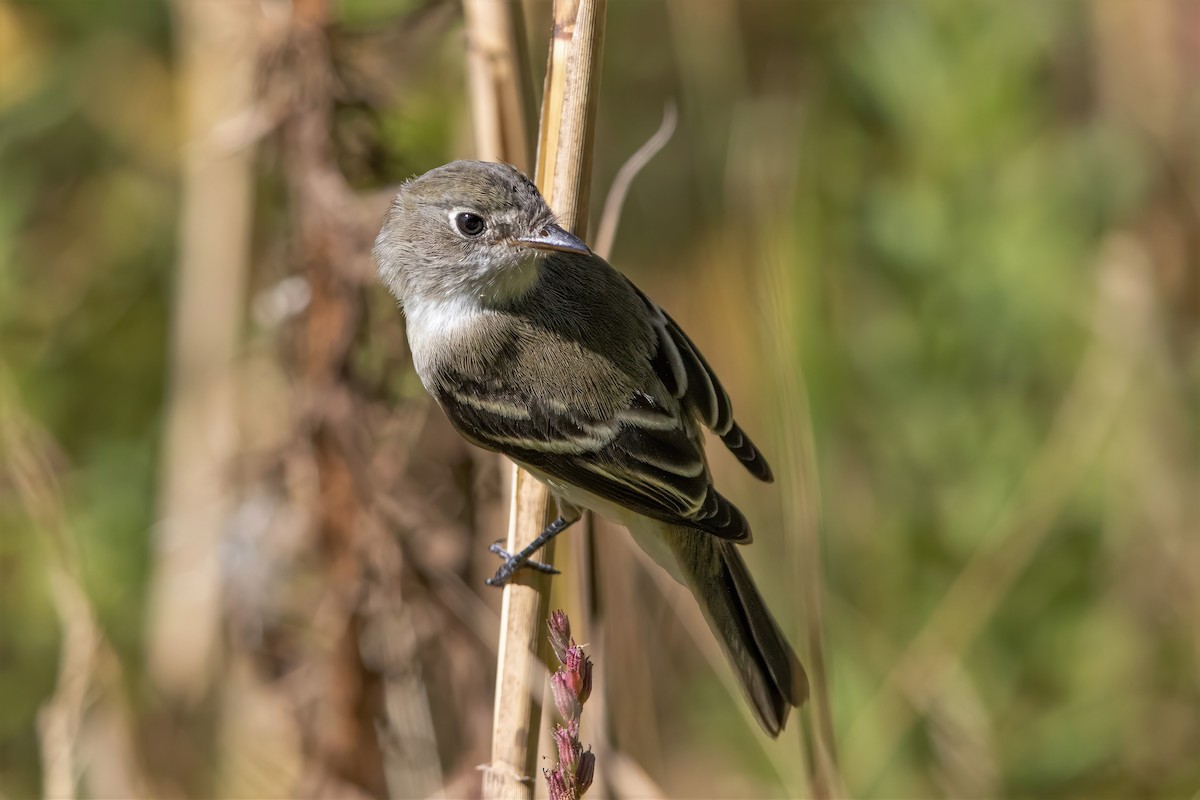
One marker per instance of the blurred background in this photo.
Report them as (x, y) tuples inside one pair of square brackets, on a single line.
[(944, 254)]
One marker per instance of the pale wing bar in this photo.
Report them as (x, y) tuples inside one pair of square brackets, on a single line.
[(684, 371), (636, 459)]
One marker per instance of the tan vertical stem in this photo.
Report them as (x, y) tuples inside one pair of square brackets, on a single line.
[(218, 45), (564, 176), (568, 123), (499, 81)]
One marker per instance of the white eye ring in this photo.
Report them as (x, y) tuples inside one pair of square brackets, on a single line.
[(467, 223)]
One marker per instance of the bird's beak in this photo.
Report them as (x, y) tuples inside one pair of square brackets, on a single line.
[(553, 237)]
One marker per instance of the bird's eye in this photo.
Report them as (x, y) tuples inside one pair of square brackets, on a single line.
[(469, 224)]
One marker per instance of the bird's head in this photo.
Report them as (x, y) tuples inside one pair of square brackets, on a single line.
[(469, 229)]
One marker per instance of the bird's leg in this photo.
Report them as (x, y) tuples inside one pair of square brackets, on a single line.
[(568, 515)]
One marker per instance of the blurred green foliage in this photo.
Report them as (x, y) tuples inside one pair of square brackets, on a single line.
[(949, 186), (86, 239)]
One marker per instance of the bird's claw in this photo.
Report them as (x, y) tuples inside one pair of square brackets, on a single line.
[(512, 564)]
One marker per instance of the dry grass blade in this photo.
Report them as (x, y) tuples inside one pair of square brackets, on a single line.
[(24, 459), (60, 717), (761, 178), (610, 217), (803, 515), (563, 175)]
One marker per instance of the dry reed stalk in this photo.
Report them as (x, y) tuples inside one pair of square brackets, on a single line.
[(501, 107), (499, 81), (563, 175)]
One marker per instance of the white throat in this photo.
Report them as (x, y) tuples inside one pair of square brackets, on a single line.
[(443, 320), (435, 324), (506, 284)]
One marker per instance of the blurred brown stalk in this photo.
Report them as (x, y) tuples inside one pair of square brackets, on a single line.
[(499, 81), (219, 43)]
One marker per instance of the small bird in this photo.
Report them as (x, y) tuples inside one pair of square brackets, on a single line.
[(536, 348)]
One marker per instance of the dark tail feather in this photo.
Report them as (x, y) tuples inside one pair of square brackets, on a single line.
[(740, 445), (766, 667)]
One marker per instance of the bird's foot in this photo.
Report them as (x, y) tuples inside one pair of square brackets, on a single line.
[(512, 564)]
